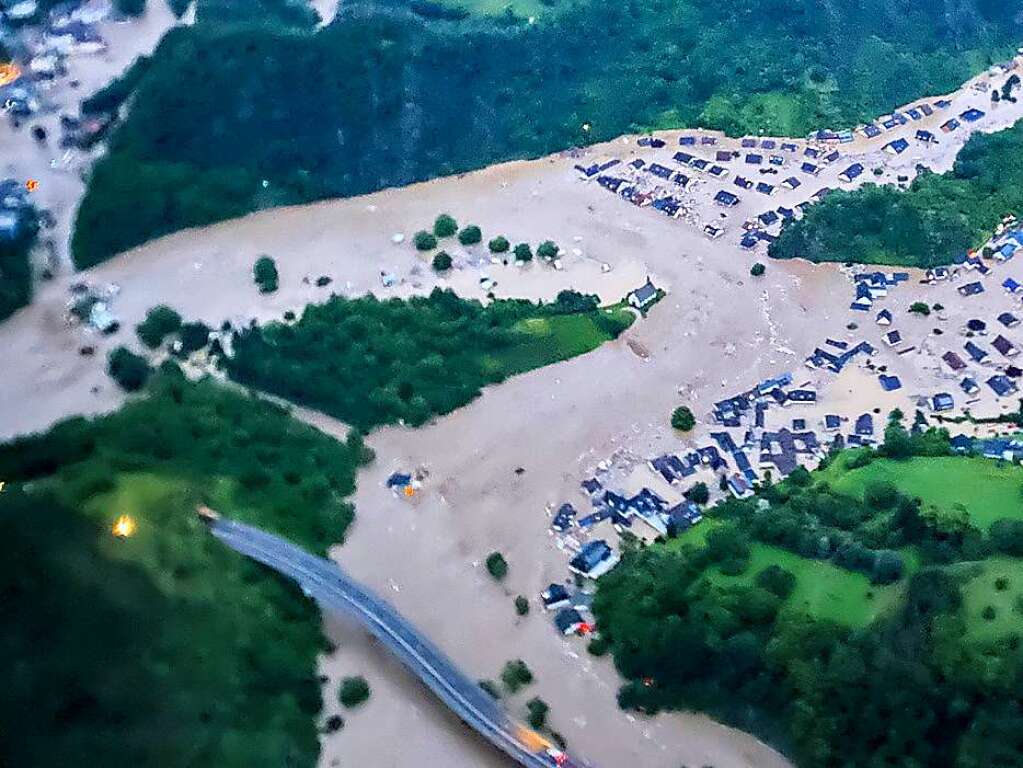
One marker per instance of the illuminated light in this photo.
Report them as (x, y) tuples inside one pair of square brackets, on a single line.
[(586, 127), (31, 185), (2, 484), (9, 72), (585, 629), (648, 682), (124, 526), (410, 491)]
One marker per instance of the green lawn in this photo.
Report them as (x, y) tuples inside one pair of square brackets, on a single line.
[(979, 592), (551, 339), (989, 490), (822, 590)]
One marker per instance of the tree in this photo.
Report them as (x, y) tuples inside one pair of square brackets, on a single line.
[(777, 581), (442, 261), (920, 308), (547, 250), (424, 241), (265, 274), (445, 226), (757, 269), (353, 691), (537, 709), (194, 336), (130, 7), (698, 493), (160, 321), (497, 566), (470, 235), (521, 605), (499, 244), (682, 419), (523, 252), (129, 370), (515, 675)]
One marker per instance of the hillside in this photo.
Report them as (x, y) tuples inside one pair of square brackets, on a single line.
[(235, 116)]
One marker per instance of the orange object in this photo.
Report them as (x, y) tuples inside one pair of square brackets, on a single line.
[(410, 491), (9, 72), (124, 527), (31, 185)]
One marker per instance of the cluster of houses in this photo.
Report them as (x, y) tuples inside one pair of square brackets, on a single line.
[(871, 286), (897, 119), (16, 210)]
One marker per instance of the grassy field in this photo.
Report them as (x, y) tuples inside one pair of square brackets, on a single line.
[(981, 591), (547, 340), (989, 490), (822, 590)]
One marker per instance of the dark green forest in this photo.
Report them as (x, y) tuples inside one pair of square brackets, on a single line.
[(16, 270), (371, 362), (935, 221), (389, 94), (697, 626), (164, 648)]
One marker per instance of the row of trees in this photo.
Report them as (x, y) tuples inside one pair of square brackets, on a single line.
[(16, 268)]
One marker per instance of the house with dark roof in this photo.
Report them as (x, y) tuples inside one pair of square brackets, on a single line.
[(594, 560), (1001, 385), (792, 182), (687, 141), (942, 401), (555, 597), (976, 325), (742, 182), (1008, 319), (726, 198), (832, 422), (864, 426), (564, 518), (971, 289), (738, 487), (1004, 346), (682, 517), (801, 396), (925, 137), (889, 383), (786, 213), (768, 218), (810, 168), (884, 317), (749, 241), (569, 621), (764, 188), (969, 386), (748, 143), (644, 296), (892, 338), (977, 353), (950, 125), (754, 159), (896, 147), (854, 171), (871, 131), (971, 115), (399, 480), (591, 486), (723, 156)]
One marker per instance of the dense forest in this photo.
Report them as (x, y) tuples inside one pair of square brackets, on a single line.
[(16, 270), (231, 116), (787, 620), (163, 648), (934, 222), (371, 362)]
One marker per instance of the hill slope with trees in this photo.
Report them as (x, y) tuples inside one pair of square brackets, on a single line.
[(233, 116)]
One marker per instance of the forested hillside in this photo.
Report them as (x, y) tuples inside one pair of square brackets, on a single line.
[(233, 115), (934, 222)]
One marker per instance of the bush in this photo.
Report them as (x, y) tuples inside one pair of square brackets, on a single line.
[(989, 613), (548, 250), (880, 494), (442, 261), (129, 370), (130, 7), (424, 241), (920, 308), (515, 675), (194, 336), (888, 567), (698, 493), (1001, 584), (264, 271), (445, 226), (523, 252), (353, 691), (470, 235), (777, 581), (598, 646), (497, 566), (499, 244), (521, 605), (682, 419), (160, 321), (537, 709), (757, 269)]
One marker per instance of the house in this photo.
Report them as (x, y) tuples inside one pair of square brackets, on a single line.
[(832, 422), (884, 317), (830, 157), (864, 425), (971, 289), (748, 143), (564, 518), (644, 296), (786, 213), (682, 517), (892, 338), (569, 621), (768, 218), (810, 168), (942, 402), (950, 125), (978, 354), (723, 156), (738, 487), (1010, 285), (713, 232), (749, 241), (768, 144), (764, 188), (935, 274), (687, 141), (718, 172), (1005, 252), (961, 444), (854, 171), (972, 115), (896, 147), (801, 396), (969, 386), (792, 183), (776, 160), (1004, 346), (926, 137), (870, 131), (647, 502), (726, 199), (976, 325), (1008, 319), (684, 158), (754, 159), (889, 383), (594, 560), (1001, 385), (591, 486), (399, 480), (555, 597), (615, 502), (742, 182)]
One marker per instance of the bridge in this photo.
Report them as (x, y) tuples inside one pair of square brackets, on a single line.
[(325, 581)]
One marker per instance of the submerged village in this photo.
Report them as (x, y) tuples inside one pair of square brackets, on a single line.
[(952, 333)]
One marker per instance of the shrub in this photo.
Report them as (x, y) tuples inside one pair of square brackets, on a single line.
[(598, 646), (777, 581), (757, 269), (880, 494), (515, 675), (130, 7), (989, 613), (160, 321), (682, 419), (445, 226), (1001, 583), (442, 261), (424, 241), (537, 709), (499, 244), (920, 308), (129, 370), (194, 336), (523, 252), (698, 493), (470, 235), (264, 271), (497, 566), (333, 724), (521, 605), (354, 691), (548, 250)]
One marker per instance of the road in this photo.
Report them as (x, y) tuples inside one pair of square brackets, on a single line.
[(324, 581)]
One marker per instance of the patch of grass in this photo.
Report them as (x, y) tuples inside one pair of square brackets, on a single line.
[(823, 590), (543, 341), (989, 490), (980, 591)]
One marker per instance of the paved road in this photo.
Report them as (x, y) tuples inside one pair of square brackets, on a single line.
[(334, 590)]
